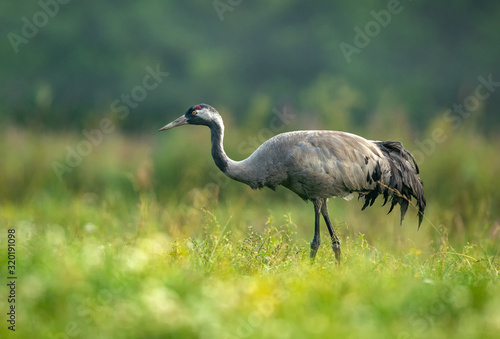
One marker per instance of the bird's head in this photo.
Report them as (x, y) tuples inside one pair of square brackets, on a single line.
[(201, 114)]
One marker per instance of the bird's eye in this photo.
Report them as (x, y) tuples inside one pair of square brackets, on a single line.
[(194, 112)]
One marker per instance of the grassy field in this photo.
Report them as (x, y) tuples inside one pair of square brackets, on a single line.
[(145, 239)]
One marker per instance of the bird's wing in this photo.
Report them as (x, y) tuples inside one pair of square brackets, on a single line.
[(332, 163)]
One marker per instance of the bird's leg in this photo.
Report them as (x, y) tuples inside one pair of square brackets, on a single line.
[(317, 238), (335, 239)]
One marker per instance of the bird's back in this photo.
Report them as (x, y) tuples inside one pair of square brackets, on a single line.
[(317, 164)]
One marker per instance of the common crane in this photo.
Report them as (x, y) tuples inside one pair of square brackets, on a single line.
[(317, 165)]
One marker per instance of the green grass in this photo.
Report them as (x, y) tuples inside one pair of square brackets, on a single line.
[(137, 243)]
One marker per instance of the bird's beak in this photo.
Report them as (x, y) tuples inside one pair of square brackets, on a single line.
[(178, 122)]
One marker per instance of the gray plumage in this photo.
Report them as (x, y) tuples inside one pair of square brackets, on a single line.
[(317, 165)]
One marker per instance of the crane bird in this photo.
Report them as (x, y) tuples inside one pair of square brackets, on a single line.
[(317, 165)]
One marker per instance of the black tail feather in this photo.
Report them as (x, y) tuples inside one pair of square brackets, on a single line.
[(404, 181)]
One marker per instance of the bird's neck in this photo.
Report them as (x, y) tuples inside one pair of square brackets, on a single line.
[(237, 170), (221, 159)]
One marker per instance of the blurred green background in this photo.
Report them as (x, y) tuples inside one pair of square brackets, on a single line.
[(95, 193), (67, 75)]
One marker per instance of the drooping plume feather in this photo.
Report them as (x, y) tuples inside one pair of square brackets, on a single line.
[(397, 178)]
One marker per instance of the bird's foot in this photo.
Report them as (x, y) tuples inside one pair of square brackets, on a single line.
[(336, 250), (312, 255), (314, 250)]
